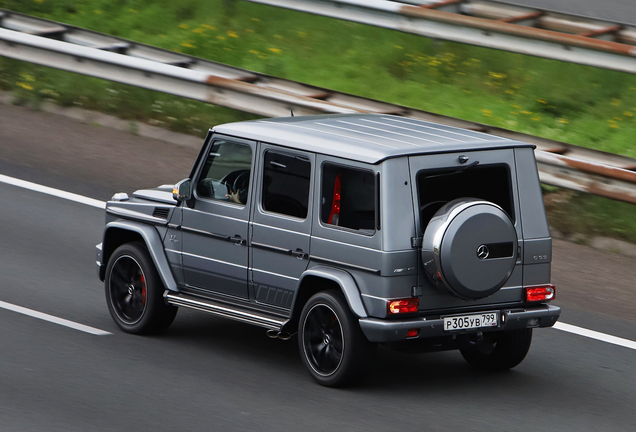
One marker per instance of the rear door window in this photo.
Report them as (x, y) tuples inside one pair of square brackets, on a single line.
[(286, 184), (348, 198)]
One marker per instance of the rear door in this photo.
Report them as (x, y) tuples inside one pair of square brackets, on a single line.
[(281, 224)]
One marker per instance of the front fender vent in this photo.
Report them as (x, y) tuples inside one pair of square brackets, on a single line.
[(161, 212)]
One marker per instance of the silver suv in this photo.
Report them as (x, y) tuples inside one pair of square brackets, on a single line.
[(349, 231)]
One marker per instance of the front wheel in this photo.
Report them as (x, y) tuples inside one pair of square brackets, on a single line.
[(332, 346), (505, 351), (134, 291)]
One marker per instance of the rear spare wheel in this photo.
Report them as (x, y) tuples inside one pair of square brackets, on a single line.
[(469, 248)]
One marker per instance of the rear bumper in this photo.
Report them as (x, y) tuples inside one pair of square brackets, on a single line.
[(382, 330)]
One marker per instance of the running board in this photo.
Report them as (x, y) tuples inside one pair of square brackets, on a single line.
[(227, 311)]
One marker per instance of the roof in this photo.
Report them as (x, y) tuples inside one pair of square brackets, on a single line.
[(368, 138)]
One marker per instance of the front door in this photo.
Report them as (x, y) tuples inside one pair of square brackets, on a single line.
[(281, 224), (215, 225)]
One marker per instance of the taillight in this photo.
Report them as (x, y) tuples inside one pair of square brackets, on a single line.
[(407, 305), (540, 293)]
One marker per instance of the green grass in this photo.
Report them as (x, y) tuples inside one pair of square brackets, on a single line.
[(566, 102)]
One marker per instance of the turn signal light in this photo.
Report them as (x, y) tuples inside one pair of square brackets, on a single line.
[(407, 305), (540, 293)]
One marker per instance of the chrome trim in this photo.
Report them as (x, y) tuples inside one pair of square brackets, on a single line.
[(343, 264), (212, 259), (350, 245), (129, 214), (226, 311), (274, 274), (216, 214), (282, 229), (205, 233), (272, 248)]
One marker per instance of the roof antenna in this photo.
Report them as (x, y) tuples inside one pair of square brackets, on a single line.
[(292, 112)]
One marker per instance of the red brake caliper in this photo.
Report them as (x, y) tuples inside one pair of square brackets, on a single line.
[(143, 290)]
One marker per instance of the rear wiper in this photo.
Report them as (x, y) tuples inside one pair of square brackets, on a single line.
[(457, 171)]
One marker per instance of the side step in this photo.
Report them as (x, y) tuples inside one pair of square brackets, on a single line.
[(270, 322)]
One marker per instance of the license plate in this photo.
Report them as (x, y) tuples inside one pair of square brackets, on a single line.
[(474, 321)]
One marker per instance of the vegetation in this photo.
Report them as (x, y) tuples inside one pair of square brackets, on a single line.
[(572, 103)]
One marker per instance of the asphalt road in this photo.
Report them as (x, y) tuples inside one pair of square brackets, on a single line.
[(207, 373)]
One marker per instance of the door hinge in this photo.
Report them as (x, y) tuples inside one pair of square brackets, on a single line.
[(416, 242)]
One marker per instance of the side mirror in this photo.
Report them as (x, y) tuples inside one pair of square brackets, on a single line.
[(181, 191)]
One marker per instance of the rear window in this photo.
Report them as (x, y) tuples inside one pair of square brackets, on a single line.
[(348, 198), (488, 182)]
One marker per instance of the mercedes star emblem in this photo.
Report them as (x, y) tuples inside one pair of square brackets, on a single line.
[(482, 252)]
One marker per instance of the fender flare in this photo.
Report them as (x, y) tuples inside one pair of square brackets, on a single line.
[(154, 244), (346, 282)]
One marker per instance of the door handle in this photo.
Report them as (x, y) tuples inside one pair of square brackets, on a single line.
[(298, 253), (237, 240)]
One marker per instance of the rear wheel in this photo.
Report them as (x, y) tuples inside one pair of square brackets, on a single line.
[(506, 351), (134, 291), (332, 346)]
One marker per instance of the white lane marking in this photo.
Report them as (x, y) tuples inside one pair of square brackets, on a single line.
[(595, 335), (52, 191), (54, 319), (100, 204)]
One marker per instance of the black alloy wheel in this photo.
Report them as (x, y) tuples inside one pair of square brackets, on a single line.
[(333, 348), (323, 340), (128, 289), (134, 291), (506, 350)]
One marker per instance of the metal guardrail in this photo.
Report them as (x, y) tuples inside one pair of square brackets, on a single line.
[(90, 53), (490, 24)]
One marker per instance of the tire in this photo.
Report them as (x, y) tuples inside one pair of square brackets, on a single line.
[(332, 346), (134, 292), (506, 351)]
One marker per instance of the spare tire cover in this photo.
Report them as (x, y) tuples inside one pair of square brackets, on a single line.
[(469, 248)]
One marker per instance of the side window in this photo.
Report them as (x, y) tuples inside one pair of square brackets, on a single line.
[(348, 198), (226, 173), (286, 181)]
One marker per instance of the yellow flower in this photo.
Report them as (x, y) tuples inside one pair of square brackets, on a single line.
[(98, 12), (541, 100), (278, 36), (497, 75), (628, 114), (209, 27), (487, 113), (614, 125), (275, 50), (255, 19), (220, 37), (184, 26), (515, 106), (249, 31), (198, 30), (130, 10), (187, 44), (398, 47), (564, 121), (618, 118), (510, 91), (254, 52), (514, 112), (24, 86), (526, 112), (535, 118), (230, 33)]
